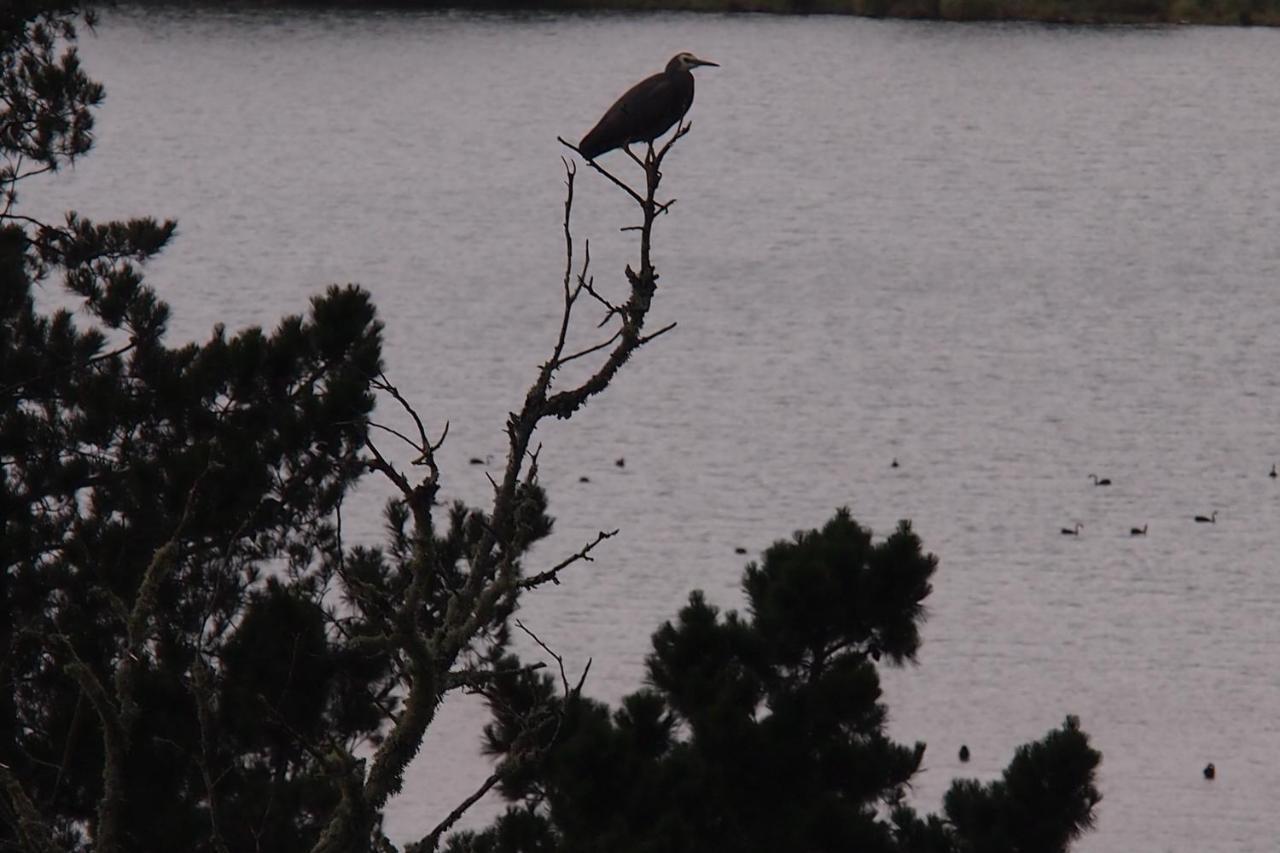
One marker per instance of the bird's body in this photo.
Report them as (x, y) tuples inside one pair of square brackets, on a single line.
[(647, 110), (1138, 531), (1103, 481), (1272, 475), (1210, 771), (1072, 531), (1212, 518)]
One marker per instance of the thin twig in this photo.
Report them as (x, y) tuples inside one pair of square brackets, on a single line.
[(397, 433), (590, 350), (89, 362), (431, 842), (379, 463), (646, 338), (593, 164), (552, 574)]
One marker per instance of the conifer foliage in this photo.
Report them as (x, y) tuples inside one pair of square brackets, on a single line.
[(191, 658), (765, 731), (144, 491)]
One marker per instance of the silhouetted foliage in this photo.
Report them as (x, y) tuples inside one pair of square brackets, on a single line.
[(766, 732), (190, 656), (146, 492)]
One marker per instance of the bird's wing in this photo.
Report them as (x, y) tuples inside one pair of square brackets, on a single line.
[(644, 111)]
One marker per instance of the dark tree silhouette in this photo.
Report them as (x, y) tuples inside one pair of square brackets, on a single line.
[(765, 732), (190, 658)]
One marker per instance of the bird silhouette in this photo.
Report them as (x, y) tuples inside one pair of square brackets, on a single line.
[(1212, 518), (1100, 482), (647, 110), (1067, 531), (1210, 771), (1272, 475), (964, 752), (1138, 531)]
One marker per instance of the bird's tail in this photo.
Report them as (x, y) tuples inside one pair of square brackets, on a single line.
[(592, 146)]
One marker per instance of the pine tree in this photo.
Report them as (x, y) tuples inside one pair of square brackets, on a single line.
[(190, 656), (147, 490), (765, 731)]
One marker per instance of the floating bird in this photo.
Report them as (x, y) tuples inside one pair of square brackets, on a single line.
[(647, 110), (894, 463), (1067, 531), (1099, 482), (1138, 531), (1272, 475), (964, 752), (584, 479), (739, 550), (1212, 518), (621, 462), (1209, 771)]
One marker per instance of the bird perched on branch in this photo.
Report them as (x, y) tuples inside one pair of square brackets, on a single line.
[(648, 109)]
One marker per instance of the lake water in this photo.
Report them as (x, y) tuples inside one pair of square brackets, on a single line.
[(1009, 256)]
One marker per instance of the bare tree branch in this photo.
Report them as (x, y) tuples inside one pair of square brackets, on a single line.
[(593, 164), (397, 433), (427, 649), (553, 574), (525, 751), (590, 350), (431, 842), (379, 463)]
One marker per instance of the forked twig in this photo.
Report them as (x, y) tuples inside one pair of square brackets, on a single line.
[(602, 170)]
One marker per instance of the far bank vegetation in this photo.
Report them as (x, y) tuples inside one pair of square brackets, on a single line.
[(1089, 12), (1234, 12)]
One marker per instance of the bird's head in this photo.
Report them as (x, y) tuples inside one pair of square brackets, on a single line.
[(686, 61)]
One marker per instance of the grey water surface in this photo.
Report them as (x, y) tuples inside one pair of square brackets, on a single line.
[(1008, 256)]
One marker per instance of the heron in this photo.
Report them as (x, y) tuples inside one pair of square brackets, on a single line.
[(647, 110)]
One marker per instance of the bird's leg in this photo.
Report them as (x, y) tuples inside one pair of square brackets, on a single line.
[(651, 166)]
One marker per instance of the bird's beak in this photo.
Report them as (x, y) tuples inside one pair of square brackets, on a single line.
[(705, 62)]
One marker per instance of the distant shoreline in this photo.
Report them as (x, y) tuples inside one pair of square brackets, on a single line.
[(1087, 12)]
